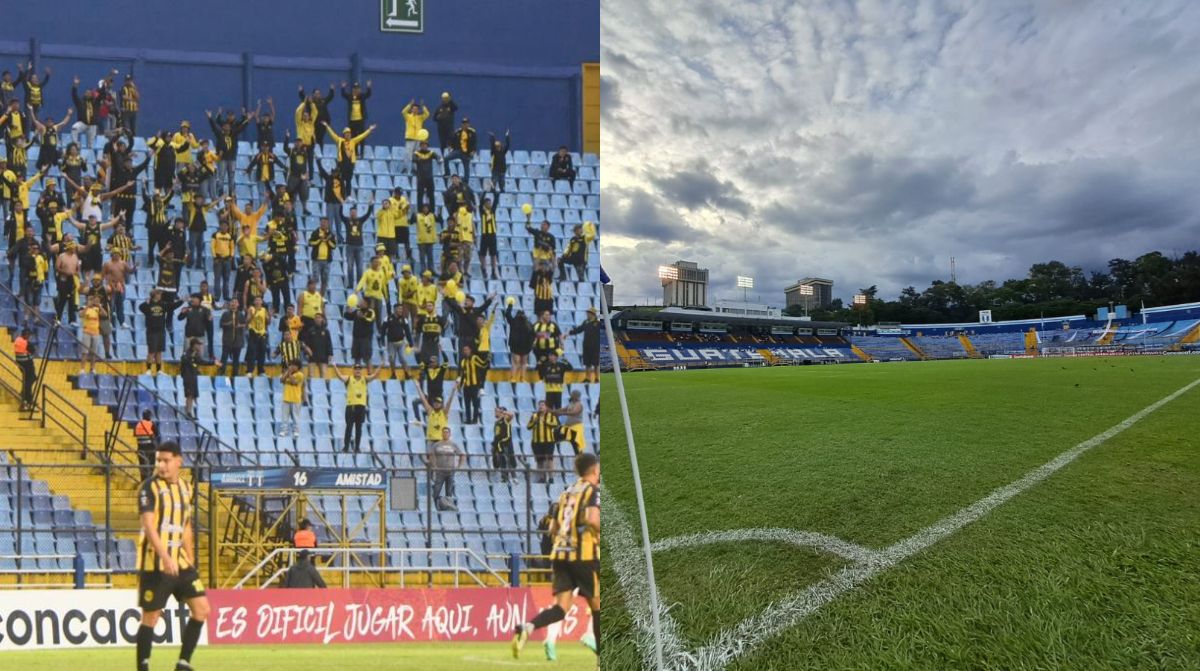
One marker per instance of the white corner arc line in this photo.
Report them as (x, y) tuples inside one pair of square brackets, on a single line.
[(791, 610), (806, 539)]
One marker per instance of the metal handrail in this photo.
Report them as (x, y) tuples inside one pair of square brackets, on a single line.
[(49, 397), (347, 569), (201, 431)]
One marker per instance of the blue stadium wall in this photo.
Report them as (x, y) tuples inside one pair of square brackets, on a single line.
[(513, 64)]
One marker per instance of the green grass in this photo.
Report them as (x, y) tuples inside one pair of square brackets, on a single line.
[(1095, 568), (369, 657)]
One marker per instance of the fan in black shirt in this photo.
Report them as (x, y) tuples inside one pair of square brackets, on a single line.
[(157, 312)]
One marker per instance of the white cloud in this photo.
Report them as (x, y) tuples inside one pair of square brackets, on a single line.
[(869, 142)]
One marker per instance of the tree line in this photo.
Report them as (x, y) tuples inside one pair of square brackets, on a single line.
[(1051, 289)]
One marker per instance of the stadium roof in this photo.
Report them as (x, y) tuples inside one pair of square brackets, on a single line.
[(695, 316)]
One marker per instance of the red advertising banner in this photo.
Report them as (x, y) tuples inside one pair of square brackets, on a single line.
[(381, 615)]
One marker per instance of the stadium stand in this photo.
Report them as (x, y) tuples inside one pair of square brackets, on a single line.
[(492, 518)]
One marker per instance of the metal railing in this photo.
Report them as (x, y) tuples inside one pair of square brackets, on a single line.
[(131, 391), (79, 572), (49, 405), (346, 569)]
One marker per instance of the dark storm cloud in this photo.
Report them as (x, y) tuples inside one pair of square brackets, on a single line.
[(698, 187), (639, 214), (871, 142)]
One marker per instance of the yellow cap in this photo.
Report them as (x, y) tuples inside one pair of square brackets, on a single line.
[(445, 95), (406, 268)]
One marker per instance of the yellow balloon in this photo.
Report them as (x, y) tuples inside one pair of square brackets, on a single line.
[(408, 350), (422, 135), (510, 300), (527, 208), (352, 301), (460, 297), (451, 287), (589, 231)]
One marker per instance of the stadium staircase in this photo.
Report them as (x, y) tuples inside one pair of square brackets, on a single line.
[(969, 347), (914, 349), (1109, 334), (1192, 336), (859, 352), (1031, 342), (631, 360), (770, 358)]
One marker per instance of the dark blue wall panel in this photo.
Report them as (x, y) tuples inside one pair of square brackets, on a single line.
[(509, 64)]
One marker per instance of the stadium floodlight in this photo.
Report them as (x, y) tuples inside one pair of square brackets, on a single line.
[(668, 273), (806, 290), (745, 282), (860, 299)]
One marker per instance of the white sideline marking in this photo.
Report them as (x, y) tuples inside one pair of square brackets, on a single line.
[(807, 539), (791, 610)]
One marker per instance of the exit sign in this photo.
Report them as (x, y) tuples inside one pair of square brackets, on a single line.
[(402, 16)]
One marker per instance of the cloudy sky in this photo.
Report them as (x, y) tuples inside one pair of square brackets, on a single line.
[(869, 142)]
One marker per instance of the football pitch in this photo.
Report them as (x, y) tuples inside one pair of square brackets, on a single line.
[(991, 514), (375, 657)]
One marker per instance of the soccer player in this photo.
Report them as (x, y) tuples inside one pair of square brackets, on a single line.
[(166, 558), (575, 561)]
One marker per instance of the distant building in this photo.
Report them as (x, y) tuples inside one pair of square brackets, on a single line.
[(689, 288), (821, 296), (747, 309)]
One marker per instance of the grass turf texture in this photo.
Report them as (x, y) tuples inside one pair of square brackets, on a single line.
[(1094, 568), (367, 657)]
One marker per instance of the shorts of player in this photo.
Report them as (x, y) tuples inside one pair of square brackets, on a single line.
[(487, 245), (411, 307), (360, 348), (155, 587), (576, 435), (356, 414), (577, 575), (402, 236), (91, 344), (395, 351)]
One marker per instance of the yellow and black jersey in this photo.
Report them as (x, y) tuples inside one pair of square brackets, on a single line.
[(121, 245), (172, 508), (289, 351), (575, 540), (546, 336), (487, 221), (502, 433), (543, 427), (129, 98), (472, 370)]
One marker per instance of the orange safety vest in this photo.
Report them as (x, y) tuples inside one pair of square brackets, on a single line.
[(21, 347), (305, 538), (144, 430)]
